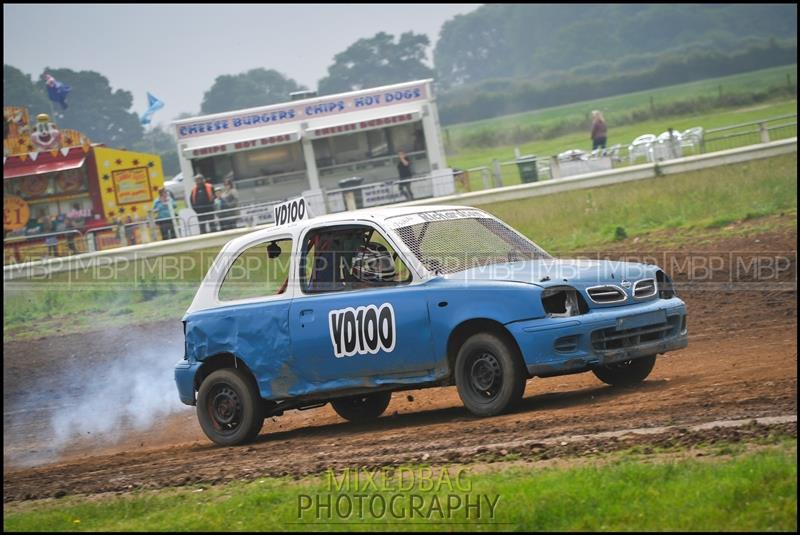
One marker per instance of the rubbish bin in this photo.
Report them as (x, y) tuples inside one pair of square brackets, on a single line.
[(352, 198), (528, 171)]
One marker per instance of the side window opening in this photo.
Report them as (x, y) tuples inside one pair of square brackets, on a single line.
[(349, 257), (261, 270)]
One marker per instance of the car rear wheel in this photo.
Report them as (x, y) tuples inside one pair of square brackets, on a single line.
[(626, 373), (229, 407), (362, 408), (489, 375)]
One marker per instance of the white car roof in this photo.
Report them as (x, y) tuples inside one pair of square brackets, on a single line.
[(377, 214), (206, 295)]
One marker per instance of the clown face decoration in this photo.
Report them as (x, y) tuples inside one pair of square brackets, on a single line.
[(45, 135)]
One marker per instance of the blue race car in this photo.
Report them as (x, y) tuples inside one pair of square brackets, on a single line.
[(348, 308)]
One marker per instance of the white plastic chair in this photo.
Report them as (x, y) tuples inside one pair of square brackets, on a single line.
[(664, 136), (612, 152), (692, 138), (642, 146), (572, 155), (667, 146)]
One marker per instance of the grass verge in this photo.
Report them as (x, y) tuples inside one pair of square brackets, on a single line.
[(753, 489), (706, 199)]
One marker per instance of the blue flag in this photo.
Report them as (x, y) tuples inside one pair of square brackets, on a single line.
[(57, 91), (153, 105)]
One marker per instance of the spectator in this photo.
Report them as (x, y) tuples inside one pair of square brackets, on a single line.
[(77, 216), (230, 197), (130, 231), (75, 220), (219, 207), (70, 226), (34, 225), (203, 202), (404, 170), (120, 228), (599, 131), (48, 227), (163, 215)]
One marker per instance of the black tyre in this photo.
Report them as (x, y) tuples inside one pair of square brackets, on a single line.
[(362, 408), (489, 375), (626, 373), (229, 407)]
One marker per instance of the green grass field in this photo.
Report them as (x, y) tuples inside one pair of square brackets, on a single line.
[(733, 488), (622, 135), (468, 158), (739, 83), (162, 288), (626, 134)]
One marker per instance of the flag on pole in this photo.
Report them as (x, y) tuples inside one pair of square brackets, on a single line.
[(153, 105), (57, 91)]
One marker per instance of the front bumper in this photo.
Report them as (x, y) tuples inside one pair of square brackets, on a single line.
[(558, 346), (184, 378)]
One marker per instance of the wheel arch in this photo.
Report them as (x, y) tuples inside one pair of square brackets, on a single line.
[(221, 361), (467, 328)]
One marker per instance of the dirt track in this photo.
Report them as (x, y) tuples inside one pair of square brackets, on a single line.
[(741, 363)]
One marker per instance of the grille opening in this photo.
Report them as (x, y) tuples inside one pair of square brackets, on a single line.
[(563, 301), (644, 288), (665, 289), (566, 344), (606, 294), (611, 338)]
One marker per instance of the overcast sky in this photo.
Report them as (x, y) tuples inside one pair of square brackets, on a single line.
[(176, 51)]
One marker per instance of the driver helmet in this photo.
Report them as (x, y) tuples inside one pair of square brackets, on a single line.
[(374, 263)]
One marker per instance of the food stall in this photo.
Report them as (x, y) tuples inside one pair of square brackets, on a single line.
[(315, 145), (63, 194)]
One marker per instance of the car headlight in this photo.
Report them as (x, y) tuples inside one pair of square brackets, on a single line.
[(563, 302), (665, 288)]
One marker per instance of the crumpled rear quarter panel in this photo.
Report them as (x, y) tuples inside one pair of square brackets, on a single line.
[(256, 334)]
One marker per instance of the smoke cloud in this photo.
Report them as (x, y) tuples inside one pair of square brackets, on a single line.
[(84, 403)]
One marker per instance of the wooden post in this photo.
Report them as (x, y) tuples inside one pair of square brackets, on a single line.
[(485, 177), (497, 173), (762, 130), (555, 169)]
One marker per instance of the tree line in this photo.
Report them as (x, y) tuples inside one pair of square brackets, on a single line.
[(502, 97)]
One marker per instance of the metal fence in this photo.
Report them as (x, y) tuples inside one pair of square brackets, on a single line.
[(28, 247), (42, 246), (739, 135), (650, 148), (522, 170), (388, 192)]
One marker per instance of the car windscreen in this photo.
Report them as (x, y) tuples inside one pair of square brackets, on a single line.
[(451, 243)]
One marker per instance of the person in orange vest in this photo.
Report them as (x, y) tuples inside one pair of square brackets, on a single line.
[(203, 202)]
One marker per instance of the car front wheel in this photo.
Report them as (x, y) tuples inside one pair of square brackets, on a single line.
[(229, 407), (489, 375), (627, 372), (362, 408)]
